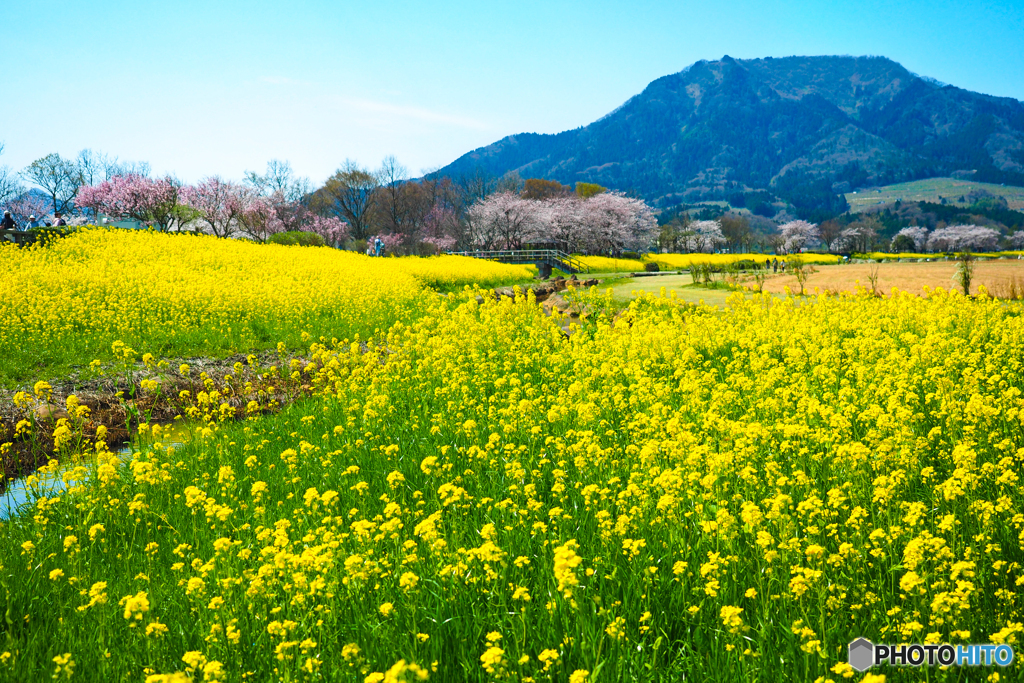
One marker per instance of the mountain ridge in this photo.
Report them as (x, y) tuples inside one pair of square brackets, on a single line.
[(793, 127)]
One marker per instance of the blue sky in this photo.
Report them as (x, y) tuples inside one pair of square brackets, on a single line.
[(203, 88)]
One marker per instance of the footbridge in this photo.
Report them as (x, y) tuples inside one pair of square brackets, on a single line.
[(18, 237), (544, 259)]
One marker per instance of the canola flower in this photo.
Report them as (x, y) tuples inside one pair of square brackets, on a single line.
[(186, 295), (670, 493)]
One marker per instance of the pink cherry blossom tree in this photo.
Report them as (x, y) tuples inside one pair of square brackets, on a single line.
[(439, 229), (334, 230), (25, 206), (257, 216), (217, 203), (135, 197)]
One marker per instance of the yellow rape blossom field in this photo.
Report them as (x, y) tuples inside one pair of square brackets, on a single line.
[(667, 493), (604, 264), (188, 295)]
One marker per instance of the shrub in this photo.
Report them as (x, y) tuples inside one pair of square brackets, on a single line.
[(652, 267), (297, 237)]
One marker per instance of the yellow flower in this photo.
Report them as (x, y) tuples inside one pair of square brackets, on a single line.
[(731, 618), (408, 580), (65, 665), (135, 606), (493, 659), (386, 609), (155, 629)]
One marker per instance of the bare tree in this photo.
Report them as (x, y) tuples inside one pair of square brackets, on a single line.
[(280, 180), (96, 167), (59, 178), (349, 194), (391, 207), (10, 188), (829, 233)]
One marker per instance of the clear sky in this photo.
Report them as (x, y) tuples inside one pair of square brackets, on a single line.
[(221, 87)]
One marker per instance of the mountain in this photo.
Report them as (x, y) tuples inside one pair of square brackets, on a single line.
[(803, 129)]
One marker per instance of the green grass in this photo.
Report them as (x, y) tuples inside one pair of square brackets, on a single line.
[(931, 190), (626, 289)]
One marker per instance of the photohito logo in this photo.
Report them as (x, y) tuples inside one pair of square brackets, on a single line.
[(863, 654)]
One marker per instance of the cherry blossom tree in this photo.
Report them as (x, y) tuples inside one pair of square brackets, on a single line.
[(917, 234), (505, 220), (257, 216), (217, 204), (1017, 240), (334, 230), (614, 222), (704, 236), (798, 234), (566, 222), (135, 197), (25, 206), (287, 193), (964, 238), (439, 229)]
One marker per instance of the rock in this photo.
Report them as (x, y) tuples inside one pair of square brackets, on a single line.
[(47, 413), (590, 283)]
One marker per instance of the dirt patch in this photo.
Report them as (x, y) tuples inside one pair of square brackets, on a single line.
[(26, 448)]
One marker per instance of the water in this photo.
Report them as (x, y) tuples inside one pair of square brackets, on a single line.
[(20, 496)]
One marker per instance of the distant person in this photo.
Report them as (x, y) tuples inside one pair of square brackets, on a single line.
[(58, 220), (33, 222), (8, 223), (378, 246), (775, 265)]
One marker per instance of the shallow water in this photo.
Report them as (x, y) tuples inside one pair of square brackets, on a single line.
[(20, 496)]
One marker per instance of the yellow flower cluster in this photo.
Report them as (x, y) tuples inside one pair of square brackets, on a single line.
[(709, 495)]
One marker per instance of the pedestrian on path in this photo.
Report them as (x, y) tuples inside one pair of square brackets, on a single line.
[(8, 223)]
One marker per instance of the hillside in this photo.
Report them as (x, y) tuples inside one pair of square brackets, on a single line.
[(806, 129), (934, 190)]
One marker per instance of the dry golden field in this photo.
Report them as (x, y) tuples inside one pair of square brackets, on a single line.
[(997, 277)]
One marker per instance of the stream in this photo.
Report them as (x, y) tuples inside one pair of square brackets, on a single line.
[(20, 496)]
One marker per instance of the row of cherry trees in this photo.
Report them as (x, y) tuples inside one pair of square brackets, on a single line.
[(607, 222), (215, 206), (860, 236), (953, 238)]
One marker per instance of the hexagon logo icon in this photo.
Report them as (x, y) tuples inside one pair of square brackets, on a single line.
[(861, 654)]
